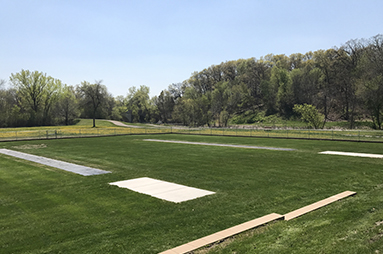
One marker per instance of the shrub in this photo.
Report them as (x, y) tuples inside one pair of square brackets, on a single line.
[(311, 115)]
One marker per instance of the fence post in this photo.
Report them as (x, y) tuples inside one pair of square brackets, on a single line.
[(16, 135), (171, 129), (309, 134), (211, 132), (332, 134), (56, 134), (47, 134), (251, 130), (359, 135)]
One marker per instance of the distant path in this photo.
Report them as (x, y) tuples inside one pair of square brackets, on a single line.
[(122, 124), (134, 126)]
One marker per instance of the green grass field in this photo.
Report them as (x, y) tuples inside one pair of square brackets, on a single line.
[(46, 210)]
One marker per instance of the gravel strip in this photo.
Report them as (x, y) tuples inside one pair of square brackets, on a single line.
[(74, 168)]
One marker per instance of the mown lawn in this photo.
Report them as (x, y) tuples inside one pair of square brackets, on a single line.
[(46, 210)]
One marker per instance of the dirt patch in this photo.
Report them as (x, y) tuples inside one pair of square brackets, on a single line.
[(376, 238), (24, 147)]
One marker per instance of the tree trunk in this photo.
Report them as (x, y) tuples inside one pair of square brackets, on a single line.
[(94, 120)]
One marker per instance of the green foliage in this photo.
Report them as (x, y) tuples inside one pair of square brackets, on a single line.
[(269, 95), (310, 115), (37, 94), (164, 104), (220, 97), (224, 117), (281, 78), (374, 99), (93, 98), (17, 117), (372, 88), (193, 109), (138, 103), (248, 117), (68, 106), (119, 109), (260, 118)]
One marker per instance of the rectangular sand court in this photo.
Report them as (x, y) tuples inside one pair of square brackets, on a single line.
[(163, 190)]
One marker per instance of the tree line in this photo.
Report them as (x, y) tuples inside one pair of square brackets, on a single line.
[(344, 83)]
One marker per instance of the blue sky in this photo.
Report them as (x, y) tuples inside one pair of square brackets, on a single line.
[(156, 43)]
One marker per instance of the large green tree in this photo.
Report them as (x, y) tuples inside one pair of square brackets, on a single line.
[(164, 104), (67, 106), (119, 110), (348, 77), (7, 102), (327, 91), (281, 78), (93, 97), (372, 89), (36, 93), (138, 103)]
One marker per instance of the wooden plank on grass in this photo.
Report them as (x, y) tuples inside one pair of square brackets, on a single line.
[(319, 204), (199, 243)]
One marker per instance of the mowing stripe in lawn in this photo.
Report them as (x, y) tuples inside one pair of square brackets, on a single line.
[(319, 204), (74, 168), (216, 144), (163, 190), (196, 244), (369, 155)]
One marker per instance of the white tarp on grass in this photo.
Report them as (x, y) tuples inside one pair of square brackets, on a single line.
[(216, 144), (74, 168), (369, 155), (163, 190)]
